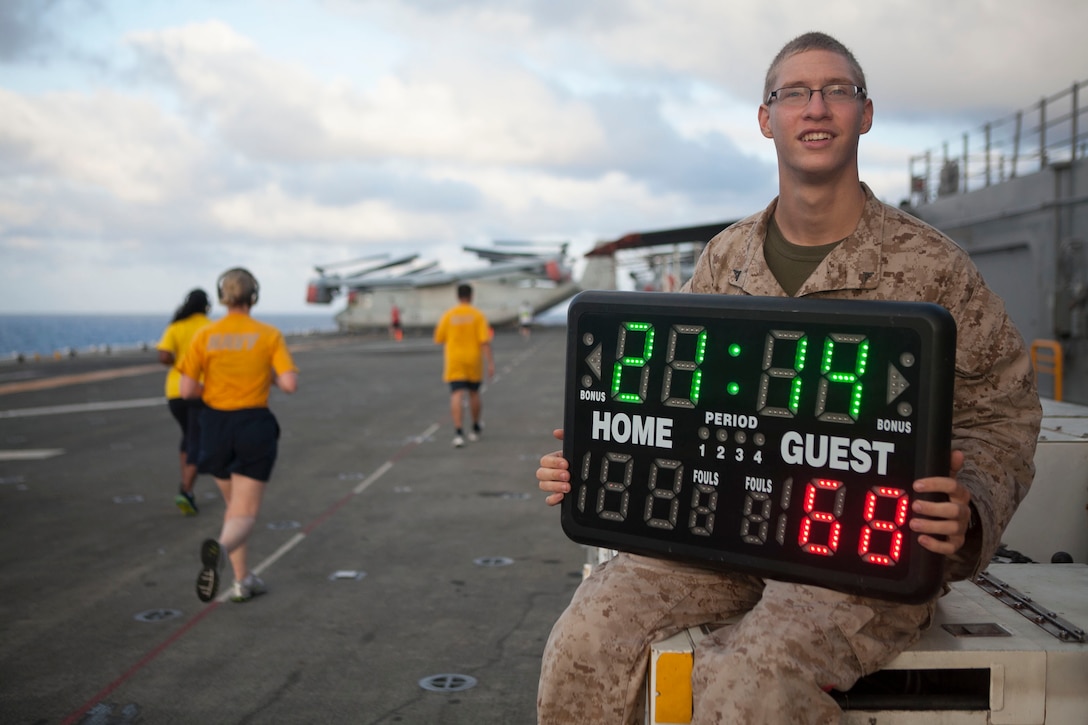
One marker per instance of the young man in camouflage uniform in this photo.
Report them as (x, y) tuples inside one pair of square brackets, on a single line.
[(825, 236)]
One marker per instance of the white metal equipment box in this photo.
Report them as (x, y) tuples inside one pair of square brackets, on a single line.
[(1008, 648)]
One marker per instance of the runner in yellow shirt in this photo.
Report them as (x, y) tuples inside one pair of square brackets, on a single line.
[(464, 331), (190, 317), (238, 359)]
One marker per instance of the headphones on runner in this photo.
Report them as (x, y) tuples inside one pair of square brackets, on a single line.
[(237, 286)]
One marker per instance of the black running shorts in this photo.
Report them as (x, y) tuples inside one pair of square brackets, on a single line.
[(187, 414), (238, 441)]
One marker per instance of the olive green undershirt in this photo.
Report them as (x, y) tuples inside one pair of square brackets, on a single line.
[(792, 264)]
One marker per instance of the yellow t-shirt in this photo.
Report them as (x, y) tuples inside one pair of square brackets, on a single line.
[(237, 357), (463, 329), (175, 340)]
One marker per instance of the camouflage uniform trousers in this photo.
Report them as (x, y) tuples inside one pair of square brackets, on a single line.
[(775, 665)]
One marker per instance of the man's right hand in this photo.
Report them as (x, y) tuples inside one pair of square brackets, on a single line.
[(553, 476)]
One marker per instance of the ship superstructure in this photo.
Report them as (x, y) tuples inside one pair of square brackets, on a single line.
[(1014, 194)]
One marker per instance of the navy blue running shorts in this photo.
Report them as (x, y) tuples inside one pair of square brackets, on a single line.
[(238, 441), (187, 414), (456, 385)]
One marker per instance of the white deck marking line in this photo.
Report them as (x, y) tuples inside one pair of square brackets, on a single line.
[(298, 538), (276, 555), (30, 454), (365, 484), (512, 364), (83, 407)]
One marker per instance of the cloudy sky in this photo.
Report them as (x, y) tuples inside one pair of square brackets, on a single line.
[(147, 145)]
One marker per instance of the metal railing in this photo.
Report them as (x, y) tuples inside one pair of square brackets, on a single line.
[(1048, 132)]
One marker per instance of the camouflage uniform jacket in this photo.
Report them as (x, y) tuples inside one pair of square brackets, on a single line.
[(894, 256)]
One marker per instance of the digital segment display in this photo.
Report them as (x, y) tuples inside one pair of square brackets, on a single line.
[(775, 436)]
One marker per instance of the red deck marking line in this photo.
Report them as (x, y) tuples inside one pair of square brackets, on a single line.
[(62, 380), (74, 717), (323, 517)]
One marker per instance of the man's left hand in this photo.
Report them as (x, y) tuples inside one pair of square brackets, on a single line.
[(944, 528)]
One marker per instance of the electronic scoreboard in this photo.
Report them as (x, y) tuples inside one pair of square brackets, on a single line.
[(774, 436)]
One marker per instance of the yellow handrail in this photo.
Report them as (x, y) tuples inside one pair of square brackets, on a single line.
[(1046, 358)]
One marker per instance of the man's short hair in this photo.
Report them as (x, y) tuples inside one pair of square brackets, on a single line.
[(806, 42), (464, 292)]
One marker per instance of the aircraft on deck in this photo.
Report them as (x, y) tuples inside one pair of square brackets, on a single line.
[(536, 275)]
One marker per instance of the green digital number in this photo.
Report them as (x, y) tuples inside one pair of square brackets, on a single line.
[(684, 366), (851, 378), (629, 333), (772, 374)]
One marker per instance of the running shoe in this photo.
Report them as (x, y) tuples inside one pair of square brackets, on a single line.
[(212, 557), (248, 588), (186, 502), (458, 442)]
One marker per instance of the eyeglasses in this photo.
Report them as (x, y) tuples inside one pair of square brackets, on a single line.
[(800, 95)]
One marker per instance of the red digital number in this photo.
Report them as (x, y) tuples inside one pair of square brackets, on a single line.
[(813, 516), (893, 527)]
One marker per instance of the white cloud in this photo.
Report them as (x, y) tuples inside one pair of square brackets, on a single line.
[(120, 145), (463, 109), (282, 134), (269, 213)]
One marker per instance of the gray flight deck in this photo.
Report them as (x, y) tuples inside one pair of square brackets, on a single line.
[(390, 557)]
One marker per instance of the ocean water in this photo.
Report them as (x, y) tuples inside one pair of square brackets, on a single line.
[(46, 334)]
